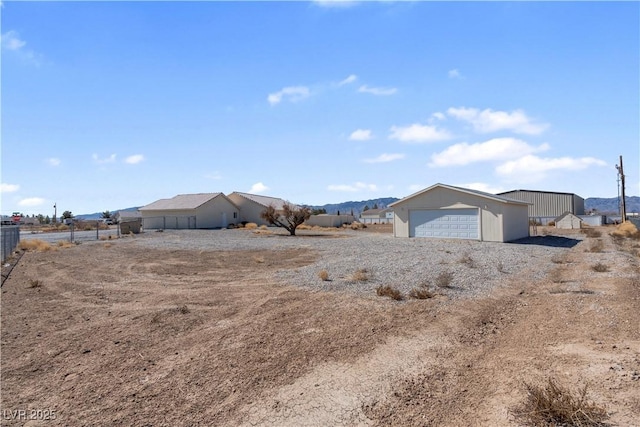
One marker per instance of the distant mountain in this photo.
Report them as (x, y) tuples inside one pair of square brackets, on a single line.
[(356, 207), (611, 205), (98, 215)]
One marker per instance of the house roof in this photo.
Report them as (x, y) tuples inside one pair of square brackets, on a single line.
[(262, 200), (495, 197), (538, 191), (181, 201), (374, 212), (561, 217)]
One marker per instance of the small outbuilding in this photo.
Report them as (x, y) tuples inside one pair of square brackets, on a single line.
[(204, 210), (445, 211), (252, 205), (568, 221), (376, 216)]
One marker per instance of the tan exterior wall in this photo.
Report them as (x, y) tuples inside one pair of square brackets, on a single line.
[(492, 213), (249, 210), (329, 220), (209, 215)]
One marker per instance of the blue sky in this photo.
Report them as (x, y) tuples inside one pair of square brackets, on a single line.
[(116, 104)]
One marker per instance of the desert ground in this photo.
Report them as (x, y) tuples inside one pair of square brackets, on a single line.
[(138, 332)]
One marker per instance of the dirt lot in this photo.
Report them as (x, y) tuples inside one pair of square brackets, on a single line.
[(107, 334)]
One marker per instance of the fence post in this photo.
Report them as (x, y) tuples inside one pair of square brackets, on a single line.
[(97, 230)]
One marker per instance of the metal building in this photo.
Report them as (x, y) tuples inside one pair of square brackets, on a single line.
[(548, 203)]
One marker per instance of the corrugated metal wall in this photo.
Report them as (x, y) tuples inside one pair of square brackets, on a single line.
[(548, 204)]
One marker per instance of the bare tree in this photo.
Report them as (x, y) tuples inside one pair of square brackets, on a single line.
[(289, 218)]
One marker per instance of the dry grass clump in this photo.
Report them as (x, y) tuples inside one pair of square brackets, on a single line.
[(183, 309), (591, 232), (467, 260), (626, 229), (444, 280), (304, 227), (258, 259), (388, 291), (556, 405), (421, 293), (251, 226), (35, 283), (600, 268), (596, 246), (355, 225), (558, 259), (107, 245), (34, 245), (65, 244), (361, 275), (323, 275)]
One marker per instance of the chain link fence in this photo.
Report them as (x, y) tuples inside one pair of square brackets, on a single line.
[(10, 239)]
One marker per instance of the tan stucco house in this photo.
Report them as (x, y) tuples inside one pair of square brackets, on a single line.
[(252, 205), (445, 211), (204, 210)]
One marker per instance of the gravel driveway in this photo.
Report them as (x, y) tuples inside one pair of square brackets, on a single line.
[(475, 267)]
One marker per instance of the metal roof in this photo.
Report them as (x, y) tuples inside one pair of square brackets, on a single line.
[(463, 190), (538, 191), (262, 200), (181, 202)]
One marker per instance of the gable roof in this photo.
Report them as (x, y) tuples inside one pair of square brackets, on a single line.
[(181, 201), (538, 191), (490, 196), (564, 215), (262, 200)]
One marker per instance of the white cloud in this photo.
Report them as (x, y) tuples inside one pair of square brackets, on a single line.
[(31, 202), (532, 168), (438, 116), (9, 188), (292, 93), (358, 186), (351, 79), (134, 159), (258, 187), (494, 149), (481, 186), (11, 41), (418, 133), (380, 91), (53, 161), (110, 159), (487, 120), (384, 158), (335, 3), (454, 74), (360, 135)]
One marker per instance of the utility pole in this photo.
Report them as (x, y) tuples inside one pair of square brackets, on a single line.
[(623, 204), (55, 212)]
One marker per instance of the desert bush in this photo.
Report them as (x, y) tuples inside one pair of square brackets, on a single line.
[(35, 283), (388, 291), (361, 275), (323, 275), (596, 246), (183, 309), (251, 226), (263, 227), (64, 244), (467, 260), (305, 227), (558, 259), (626, 230), (551, 224), (444, 279), (34, 245), (600, 268), (421, 293), (591, 232), (258, 259), (355, 225), (556, 405)]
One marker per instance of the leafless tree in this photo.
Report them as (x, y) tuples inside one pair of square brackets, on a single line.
[(289, 218)]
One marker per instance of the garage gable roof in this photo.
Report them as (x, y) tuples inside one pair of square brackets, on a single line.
[(490, 196), (181, 201), (567, 214), (262, 200)]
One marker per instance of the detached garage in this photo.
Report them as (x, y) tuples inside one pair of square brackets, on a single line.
[(204, 210), (448, 212)]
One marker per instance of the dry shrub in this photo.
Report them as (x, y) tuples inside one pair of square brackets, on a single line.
[(305, 227), (600, 268), (558, 259), (591, 232), (626, 229), (388, 291), (251, 226), (107, 245), (264, 227), (362, 275), (355, 225), (551, 224), (263, 232), (34, 245), (444, 279), (258, 259), (556, 405), (422, 293), (596, 246), (35, 283), (64, 244), (183, 309), (467, 260), (323, 275)]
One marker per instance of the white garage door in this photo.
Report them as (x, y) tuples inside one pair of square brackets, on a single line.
[(444, 223)]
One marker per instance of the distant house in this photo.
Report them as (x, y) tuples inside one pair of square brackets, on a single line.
[(568, 221), (325, 220), (445, 211), (376, 216), (204, 210), (126, 215), (252, 205)]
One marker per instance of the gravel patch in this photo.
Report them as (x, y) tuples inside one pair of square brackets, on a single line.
[(475, 267)]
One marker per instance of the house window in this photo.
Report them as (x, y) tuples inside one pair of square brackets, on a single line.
[(235, 215)]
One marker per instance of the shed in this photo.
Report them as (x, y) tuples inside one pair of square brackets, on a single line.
[(568, 221), (548, 203), (445, 211), (375, 216), (203, 210), (252, 205)]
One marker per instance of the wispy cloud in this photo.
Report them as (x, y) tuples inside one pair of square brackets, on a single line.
[(351, 79), (418, 133), (379, 91), (335, 3), (101, 161), (532, 168), (290, 93), (353, 188), (455, 74), (258, 187), (53, 161), (134, 159), (361, 135), (497, 149), (9, 188), (12, 42), (385, 158), (487, 120), (31, 202), (481, 186)]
